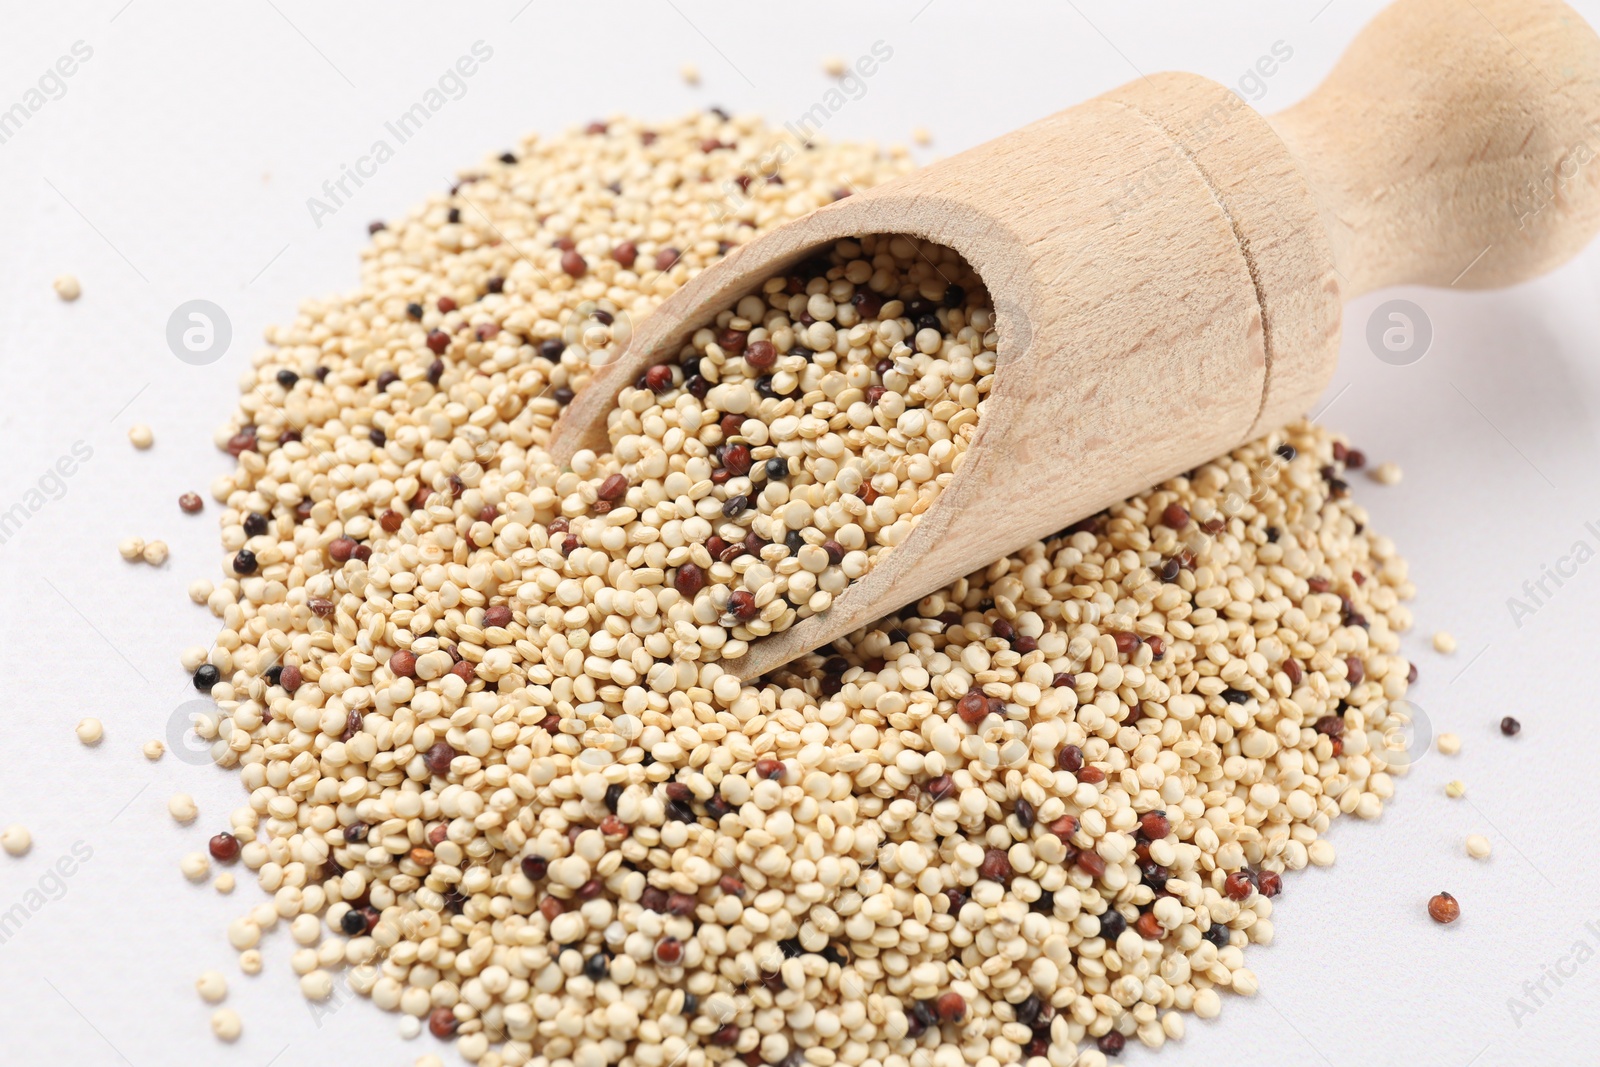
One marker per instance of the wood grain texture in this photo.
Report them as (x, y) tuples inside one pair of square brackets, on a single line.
[(1455, 143), (1167, 266)]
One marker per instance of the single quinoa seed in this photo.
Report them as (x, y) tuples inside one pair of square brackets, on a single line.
[(1510, 726), (1443, 908), (205, 676), (224, 848)]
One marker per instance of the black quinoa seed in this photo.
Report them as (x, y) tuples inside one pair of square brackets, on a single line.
[(255, 524), (1024, 813), (244, 562), (205, 676)]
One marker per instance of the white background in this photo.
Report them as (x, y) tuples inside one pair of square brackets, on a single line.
[(177, 165)]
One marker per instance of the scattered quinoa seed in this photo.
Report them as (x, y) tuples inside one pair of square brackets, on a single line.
[(1455, 789), (182, 808), (67, 287), (226, 1025), (1443, 908), (141, 436), (154, 750), (1449, 744), (1386, 473), (1478, 846), (90, 731), (211, 986), (131, 549), (690, 73), (1444, 643), (155, 553), (1510, 726), (15, 839)]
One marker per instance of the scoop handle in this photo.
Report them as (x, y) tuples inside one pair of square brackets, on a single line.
[(1455, 144)]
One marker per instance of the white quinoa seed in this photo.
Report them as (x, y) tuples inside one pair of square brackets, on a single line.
[(410, 1027), (921, 136), (141, 436), (1455, 789), (131, 549), (155, 553), (316, 985), (1449, 744), (90, 731), (16, 839), (224, 882), (226, 1025), (67, 287), (1444, 643), (1386, 473), (211, 986), (154, 750), (250, 961), (690, 73), (465, 689), (200, 590), (182, 808), (196, 866), (834, 66), (1477, 846)]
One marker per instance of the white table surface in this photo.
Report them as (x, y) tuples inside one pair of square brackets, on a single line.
[(177, 164)]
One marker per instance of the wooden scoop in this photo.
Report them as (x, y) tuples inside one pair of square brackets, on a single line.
[(1167, 266)]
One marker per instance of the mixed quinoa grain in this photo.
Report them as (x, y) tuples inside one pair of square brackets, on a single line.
[(497, 774), (800, 435)]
